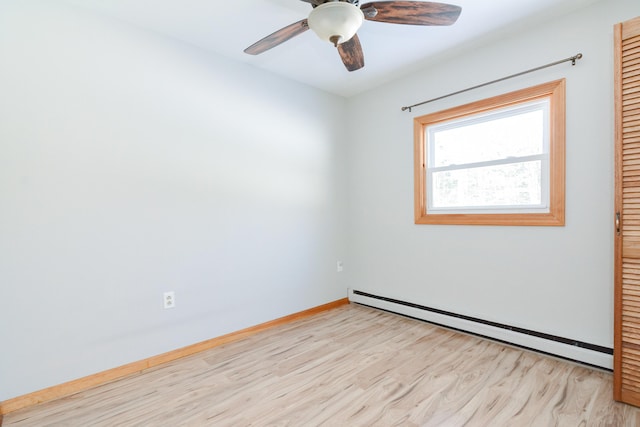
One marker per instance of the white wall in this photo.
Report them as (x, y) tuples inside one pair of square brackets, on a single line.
[(132, 165), (557, 280)]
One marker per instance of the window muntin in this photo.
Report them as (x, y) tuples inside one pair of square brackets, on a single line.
[(515, 180), (493, 162)]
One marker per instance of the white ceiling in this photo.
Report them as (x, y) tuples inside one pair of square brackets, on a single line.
[(228, 27)]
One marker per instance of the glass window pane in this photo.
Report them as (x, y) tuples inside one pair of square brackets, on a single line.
[(491, 139), (514, 184)]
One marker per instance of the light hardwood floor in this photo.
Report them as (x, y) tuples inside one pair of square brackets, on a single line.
[(352, 366)]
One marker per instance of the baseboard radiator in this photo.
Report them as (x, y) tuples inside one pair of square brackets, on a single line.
[(566, 348)]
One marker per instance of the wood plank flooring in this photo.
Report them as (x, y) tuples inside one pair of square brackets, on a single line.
[(352, 366)]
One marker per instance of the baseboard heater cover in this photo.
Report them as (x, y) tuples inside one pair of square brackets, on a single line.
[(579, 351)]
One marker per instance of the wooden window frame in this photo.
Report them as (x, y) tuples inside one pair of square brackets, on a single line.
[(555, 91)]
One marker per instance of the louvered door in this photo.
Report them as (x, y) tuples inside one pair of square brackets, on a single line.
[(627, 195)]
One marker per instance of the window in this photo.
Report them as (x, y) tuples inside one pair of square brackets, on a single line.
[(498, 161)]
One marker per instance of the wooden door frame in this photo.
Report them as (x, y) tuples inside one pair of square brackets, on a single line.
[(617, 220)]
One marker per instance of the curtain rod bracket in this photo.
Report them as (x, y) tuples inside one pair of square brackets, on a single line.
[(573, 60)]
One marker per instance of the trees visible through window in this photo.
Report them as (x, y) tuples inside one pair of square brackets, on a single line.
[(496, 161)]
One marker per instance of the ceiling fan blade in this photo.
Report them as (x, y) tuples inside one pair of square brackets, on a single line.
[(411, 12), (279, 37), (351, 54)]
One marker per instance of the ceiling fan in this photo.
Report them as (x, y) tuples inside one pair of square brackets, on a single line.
[(337, 21)]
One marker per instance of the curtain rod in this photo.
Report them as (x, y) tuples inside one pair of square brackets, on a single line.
[(573, 60)]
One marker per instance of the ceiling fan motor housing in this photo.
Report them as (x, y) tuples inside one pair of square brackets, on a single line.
[(316, 3), (336, 21)]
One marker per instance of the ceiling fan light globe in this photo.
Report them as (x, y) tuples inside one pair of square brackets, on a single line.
[(335, 21)]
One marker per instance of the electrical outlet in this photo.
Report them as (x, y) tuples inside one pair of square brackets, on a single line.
[(169, 299), (339, 266)]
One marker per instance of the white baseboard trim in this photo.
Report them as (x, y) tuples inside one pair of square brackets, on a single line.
[(573, 352)]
